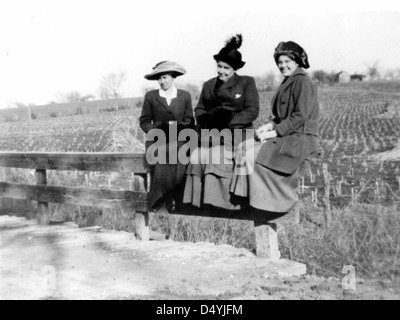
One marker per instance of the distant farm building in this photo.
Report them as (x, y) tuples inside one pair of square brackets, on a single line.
[(342, 77), (357, 77)]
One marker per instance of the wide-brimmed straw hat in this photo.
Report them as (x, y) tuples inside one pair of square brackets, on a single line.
[(230, 53), (294, 51), (164, 67)]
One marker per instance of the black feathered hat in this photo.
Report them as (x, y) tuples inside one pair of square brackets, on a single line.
[(230, 53), (294, 51)]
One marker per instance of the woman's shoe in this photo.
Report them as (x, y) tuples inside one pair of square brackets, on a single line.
[(171, 205)]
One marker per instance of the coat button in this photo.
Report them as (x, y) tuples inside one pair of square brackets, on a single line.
[(275, 141), (283, 101)]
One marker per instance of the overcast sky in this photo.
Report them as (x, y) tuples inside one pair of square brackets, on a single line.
[(55, 46)]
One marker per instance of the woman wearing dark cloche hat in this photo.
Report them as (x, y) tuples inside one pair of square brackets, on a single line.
[(293, 51), (228, 101), (286, 142), (161, 108)]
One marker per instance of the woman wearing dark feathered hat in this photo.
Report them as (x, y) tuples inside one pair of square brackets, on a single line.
[(286, 142), (229, 101), (161, 108)]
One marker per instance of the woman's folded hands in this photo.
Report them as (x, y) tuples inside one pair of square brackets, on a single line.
[(266, 132), (218, 118), (165, 126)]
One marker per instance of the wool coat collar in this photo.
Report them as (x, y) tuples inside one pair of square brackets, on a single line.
[(172, 108), (288, 82), (232, 81)]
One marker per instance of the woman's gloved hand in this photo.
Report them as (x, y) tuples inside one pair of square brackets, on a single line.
[(266, 127), (203, 121), (265, 135), (221, 118), (162, 126)]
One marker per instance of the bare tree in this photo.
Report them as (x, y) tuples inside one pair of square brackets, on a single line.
[(73, 96), (373, 71), (320, 76), (28, 106), (110, 86), (392, 74), (103, 92)]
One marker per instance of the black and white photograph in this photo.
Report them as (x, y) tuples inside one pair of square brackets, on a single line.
[(198, 155)]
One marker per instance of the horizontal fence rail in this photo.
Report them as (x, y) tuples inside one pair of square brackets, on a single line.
[(213, 212), (134, 201), (117, 162), (111, 199)]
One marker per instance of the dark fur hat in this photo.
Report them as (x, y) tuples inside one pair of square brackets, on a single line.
[(294, 51), (230, 53)]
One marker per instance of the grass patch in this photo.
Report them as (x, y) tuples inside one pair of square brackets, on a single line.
[(365, 236)]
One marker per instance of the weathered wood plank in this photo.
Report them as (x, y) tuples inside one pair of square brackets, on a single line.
[(118, 162), (267, 241), (250, 214), (43, 216), (128, 200), (142, 226)]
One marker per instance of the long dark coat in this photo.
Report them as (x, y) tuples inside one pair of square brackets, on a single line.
[(156, 111), (234, 105), (296, 110), (167, 178), (238, 95)]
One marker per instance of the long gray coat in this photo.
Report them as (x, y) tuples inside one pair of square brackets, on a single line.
[(296, 110)]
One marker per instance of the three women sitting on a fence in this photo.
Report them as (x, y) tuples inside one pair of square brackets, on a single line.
[(259, 170)]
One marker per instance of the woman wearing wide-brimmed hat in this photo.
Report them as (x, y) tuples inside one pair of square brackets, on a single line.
[(161, 109), (227, 102), (287, 141)]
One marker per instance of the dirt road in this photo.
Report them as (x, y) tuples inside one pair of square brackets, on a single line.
[(66, 262)]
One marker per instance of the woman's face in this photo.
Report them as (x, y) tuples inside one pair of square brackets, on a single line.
[(166, 81), (287, 66), (225, 71)]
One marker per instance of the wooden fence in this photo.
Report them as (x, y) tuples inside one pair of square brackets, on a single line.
[(134, 201)]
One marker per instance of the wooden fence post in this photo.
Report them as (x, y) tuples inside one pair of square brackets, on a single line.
[(327, 178), (297, 213), (142, 226), (43, 214), (267, 240), (142, 218)]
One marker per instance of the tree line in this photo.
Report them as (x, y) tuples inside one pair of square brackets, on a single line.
[(110, 84)]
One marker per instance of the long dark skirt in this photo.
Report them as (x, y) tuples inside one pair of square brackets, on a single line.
[(210, 183), (265, 189), (167, 179)]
